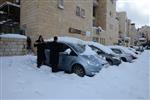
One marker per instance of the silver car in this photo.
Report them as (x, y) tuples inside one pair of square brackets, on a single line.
[(120, 52), (72, 59)]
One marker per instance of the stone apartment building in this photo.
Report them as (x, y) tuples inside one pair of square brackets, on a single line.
[(57, 17), (69, 18), (122, 17), (105, 16), (126, 29), (143, 34), (133, 34)]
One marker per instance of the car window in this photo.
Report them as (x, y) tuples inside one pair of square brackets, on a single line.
[(67, 49), (63, 47), (116, 51), (79, 48), (97, 50)]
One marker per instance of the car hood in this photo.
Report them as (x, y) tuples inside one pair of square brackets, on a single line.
[(95, 58)]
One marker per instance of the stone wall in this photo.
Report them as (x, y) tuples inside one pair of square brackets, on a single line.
[(12, 46)]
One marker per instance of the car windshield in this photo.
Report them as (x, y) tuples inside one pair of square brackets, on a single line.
[(116, 51), (79, 48)]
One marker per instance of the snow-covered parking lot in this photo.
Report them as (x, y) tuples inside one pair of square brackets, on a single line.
[(20, 79)]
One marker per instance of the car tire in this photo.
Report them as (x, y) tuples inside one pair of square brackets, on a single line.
[(124, 59), (79, 70)]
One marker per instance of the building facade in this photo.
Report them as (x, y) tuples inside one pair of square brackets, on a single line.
[(124, 28), (143, 34), (122, 17), (128, 27), (57, 17), (104, 13), (133, 35)]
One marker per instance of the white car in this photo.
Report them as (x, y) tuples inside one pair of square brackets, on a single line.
[(124, 53), (133, 50)]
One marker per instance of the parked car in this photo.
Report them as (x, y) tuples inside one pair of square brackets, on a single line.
[(147, 47), (77, 58), (124, 54), (134, 50), (105, 52), (138, 48)]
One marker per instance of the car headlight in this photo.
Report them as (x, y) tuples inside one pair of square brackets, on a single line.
[(92, 60), (92, 63)]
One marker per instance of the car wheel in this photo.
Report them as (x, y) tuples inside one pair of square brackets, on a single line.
[(124, 59), (79, 70)]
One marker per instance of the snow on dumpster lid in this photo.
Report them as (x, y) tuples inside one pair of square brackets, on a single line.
[(18, 36)]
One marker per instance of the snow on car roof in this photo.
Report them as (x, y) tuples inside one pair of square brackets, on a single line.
[(71, 40), (102, 47), (13, 36), (88, 50)]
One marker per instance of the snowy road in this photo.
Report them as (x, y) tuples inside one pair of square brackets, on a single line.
[(20, 79)]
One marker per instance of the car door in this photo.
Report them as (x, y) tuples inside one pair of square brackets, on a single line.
[(67, 57)]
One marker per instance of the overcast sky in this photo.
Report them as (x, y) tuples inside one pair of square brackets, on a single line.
[(137, 10)]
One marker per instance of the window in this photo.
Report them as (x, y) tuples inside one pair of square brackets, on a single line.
[(82, 13), (95, 39), (117, 51), (104, 41), (111, 14), (78, 11), (79, 48), (61, 4), (94, 22), (97, 50)]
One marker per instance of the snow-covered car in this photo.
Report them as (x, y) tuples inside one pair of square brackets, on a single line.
[(105, 52), (124, 53), (147, 48), (77, 58), (138, 48), (133, 50)]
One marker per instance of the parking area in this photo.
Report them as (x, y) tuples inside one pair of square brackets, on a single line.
[(20, 79)]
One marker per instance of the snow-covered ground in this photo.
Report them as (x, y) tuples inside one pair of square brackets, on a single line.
[(20, 79)]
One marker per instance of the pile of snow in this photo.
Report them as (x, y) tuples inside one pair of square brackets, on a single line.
[(13, 36), (100, 46), (20, 79)]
